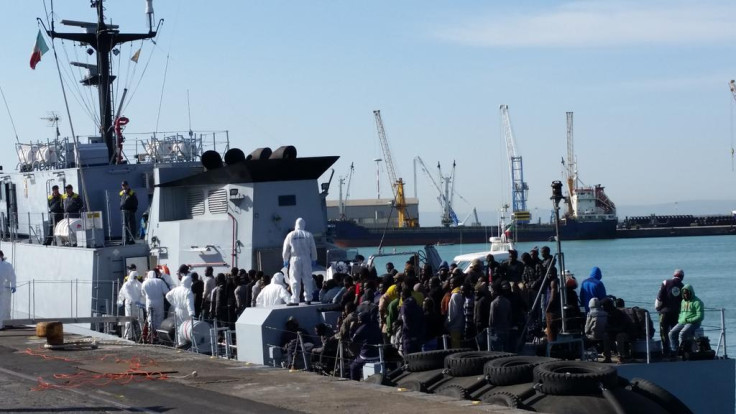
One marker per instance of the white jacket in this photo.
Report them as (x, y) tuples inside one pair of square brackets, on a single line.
[(130, 293), (299, 244), (7, 275), (154, 290), (274, 293), (181, 299)]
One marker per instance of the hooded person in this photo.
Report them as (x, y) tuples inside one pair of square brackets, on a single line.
[(596, 327), (131, 298), (7, 288), (691, 315), (592, 287), (154, 291), (300, 255), (364, 343), (181, 299), (274, 293)]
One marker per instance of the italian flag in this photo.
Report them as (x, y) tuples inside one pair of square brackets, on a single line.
[(38, 50)]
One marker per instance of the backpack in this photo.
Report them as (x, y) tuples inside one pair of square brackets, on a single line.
[(638, 316)]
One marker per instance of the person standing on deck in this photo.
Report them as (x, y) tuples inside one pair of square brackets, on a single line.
[(56, 212), (300, 254), (128, 206), (7, 288), (592, 287), (667, 304), (72, 202), (154, 290), (131, 297)]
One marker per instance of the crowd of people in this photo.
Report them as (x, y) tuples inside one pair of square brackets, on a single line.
[(490, 305)]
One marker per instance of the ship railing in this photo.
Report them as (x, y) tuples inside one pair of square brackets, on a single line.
[(44, 155), (73, 298), (174, 146), (719, 328)]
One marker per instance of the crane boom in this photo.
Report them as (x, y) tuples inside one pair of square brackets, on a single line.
[(519, 188), (397, 184), (571, 166)]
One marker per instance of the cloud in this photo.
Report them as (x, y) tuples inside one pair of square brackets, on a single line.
[(600, 24)]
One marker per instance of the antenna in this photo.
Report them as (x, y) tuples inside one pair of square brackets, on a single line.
[(53, 119)]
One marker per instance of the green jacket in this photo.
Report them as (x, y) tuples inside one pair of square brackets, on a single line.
[(691, 311)]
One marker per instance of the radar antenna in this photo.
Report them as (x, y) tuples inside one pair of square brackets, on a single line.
[(53, 120)]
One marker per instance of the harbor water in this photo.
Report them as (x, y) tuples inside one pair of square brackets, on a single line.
[(633, 269)]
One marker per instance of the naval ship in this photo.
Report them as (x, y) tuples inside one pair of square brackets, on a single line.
[(200, 206)]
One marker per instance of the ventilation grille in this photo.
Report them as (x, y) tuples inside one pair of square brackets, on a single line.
[(195, 202), (218, 201)]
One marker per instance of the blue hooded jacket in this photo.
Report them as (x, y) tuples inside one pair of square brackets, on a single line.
[(592, 287)]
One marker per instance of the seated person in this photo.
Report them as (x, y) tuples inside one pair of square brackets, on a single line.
[(325, 353), (364, 344), (596, 326), (291, 346)]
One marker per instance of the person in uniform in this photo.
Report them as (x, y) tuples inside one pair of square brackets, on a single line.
[(56, 212), (71, 202), (128, 207), (7, 288)]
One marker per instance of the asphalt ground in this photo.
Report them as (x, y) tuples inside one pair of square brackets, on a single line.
[(120, 377)]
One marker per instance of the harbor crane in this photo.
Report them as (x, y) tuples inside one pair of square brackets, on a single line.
[(732, 86), (571, 166), (519, 188), (445, 198), (342, 199), (397, 184)]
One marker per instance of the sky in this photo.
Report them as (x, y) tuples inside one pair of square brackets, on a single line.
[(647, 83)]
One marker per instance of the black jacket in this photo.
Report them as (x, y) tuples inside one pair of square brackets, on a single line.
[(128, 200), (56, 204)]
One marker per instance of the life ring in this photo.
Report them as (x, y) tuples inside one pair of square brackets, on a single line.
[(120, 122)]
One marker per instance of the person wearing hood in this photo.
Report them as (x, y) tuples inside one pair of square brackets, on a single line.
[(300, 255), (691, 315), (596, 327), (274, 293), (154, 291), (181, 299), (131, 298), (592, 287), (7, 288)]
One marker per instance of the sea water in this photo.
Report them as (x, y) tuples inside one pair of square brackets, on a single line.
[(633, 269)]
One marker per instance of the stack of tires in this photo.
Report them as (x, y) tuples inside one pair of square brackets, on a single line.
[(531, 383)]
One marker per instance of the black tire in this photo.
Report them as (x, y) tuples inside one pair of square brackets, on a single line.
[(454, 391), (661, 396), (427, 361), (464, 364), (574, 377), (513, 370), (503, 399)]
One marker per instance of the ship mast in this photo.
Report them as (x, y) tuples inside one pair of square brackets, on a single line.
[(103, 39)]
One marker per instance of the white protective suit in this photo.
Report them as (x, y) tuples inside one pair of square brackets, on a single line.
[(7, 288), (131, 297), (274, 293), (181, 299), (300, 254), (154, 290)]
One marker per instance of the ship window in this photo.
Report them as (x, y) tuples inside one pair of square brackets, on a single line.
[(195, 202), (217, 200), (287, 200)]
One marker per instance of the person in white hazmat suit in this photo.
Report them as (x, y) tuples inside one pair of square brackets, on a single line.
[(154, 290), (274, 293), (7, 288), (181, 299), (300, 254), (131, 297)]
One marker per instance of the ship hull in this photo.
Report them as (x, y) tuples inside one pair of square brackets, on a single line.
[(350, 234)]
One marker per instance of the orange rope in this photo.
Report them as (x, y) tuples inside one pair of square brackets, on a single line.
[(135, 372)]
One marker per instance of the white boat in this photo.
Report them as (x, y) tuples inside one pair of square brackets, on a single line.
[(500, 247)]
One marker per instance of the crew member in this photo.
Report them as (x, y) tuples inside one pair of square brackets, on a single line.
[(667, 304), (154, 290), (300, 254), (56, 212), (7, 288), (72, 202), (131, 297), (128, 206)]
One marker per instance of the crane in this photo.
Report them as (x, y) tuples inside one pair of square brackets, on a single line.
[(344, 200), (397, 184), (519, 188), (448, 215), (571, 167), (732, 86)]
